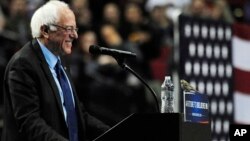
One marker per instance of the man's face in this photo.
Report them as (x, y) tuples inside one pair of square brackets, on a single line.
[(60, 40)]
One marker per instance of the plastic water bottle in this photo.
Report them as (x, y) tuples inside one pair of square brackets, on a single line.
[(167, 98)]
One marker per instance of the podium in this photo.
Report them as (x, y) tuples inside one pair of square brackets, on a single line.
[(157, 127)]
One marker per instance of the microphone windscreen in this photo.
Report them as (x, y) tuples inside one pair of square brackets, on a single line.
[(94, 49)]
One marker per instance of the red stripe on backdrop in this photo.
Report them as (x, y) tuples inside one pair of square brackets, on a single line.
[(241, 30), (242, 81)]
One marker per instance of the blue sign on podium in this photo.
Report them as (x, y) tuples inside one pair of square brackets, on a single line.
[(196, 108)]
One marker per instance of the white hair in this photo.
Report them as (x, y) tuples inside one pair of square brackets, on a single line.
[(45, 15)]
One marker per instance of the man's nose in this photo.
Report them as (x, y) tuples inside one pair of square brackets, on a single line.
[(74, 34)]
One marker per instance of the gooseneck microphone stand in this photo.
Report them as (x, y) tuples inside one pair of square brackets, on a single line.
[(123, 65)]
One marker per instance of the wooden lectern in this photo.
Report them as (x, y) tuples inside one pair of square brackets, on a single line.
[(157, 127)]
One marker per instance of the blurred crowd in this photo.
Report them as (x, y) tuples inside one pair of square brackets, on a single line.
[(144, 27)]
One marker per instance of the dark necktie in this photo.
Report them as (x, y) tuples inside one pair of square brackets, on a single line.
[(68, 103)]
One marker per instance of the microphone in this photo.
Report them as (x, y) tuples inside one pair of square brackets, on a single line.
[(96, 50)]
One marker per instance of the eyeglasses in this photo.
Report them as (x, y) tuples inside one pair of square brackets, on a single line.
[(68, 29)]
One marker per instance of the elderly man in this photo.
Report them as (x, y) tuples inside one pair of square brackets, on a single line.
[(40, 101)]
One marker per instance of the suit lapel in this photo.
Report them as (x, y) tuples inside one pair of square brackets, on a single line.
[(48, 73)]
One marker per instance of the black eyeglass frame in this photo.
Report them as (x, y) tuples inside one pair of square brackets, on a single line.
[(68, 29)]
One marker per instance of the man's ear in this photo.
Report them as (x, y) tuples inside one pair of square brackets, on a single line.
[(44, 31), (46, 28)]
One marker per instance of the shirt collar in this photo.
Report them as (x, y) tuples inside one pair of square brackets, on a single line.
[(51, 59)]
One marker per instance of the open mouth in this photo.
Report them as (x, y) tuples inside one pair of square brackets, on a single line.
[(69, 43)]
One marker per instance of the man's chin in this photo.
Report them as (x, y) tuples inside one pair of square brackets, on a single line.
[(67, 50)]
